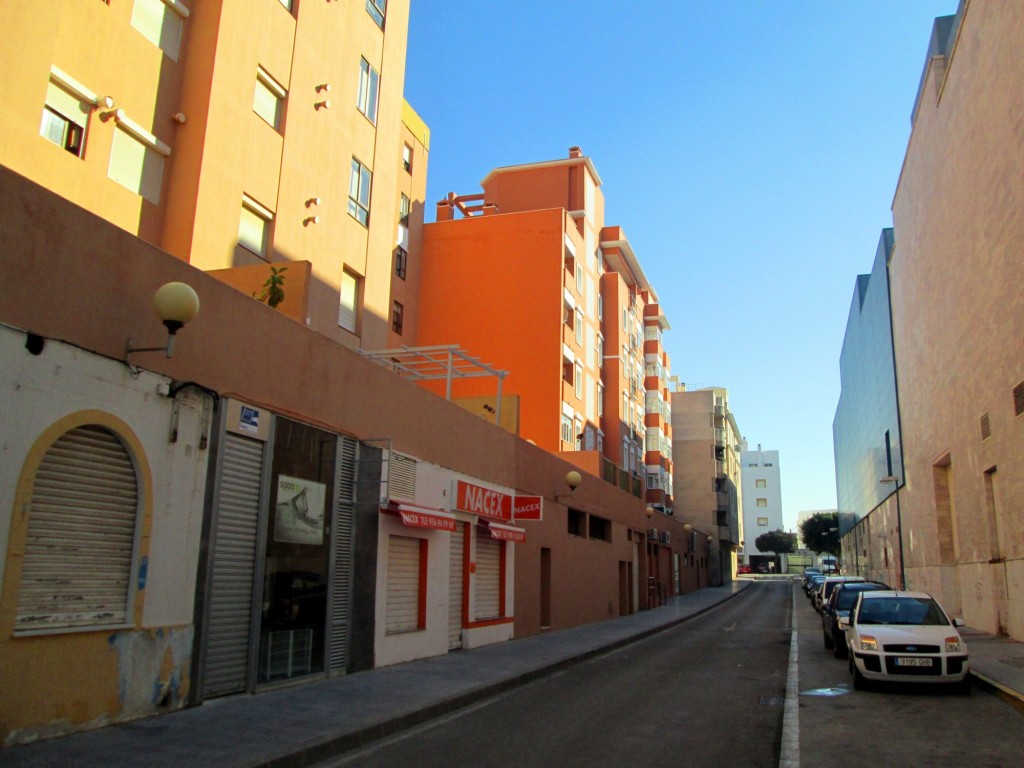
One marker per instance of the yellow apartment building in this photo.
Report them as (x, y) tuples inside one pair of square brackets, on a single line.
[(234, 134)]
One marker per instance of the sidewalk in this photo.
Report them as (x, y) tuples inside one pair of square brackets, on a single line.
[(303, 724)]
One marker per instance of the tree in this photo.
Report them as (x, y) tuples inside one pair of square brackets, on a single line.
[(779, 542), (820, 532)]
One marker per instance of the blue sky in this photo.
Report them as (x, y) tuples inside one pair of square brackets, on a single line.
[(750, 149)]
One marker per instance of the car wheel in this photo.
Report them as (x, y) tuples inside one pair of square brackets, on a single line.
[(828, 639), (860, 683), (839, 648)]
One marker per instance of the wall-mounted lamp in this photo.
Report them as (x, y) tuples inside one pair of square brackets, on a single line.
[(687, 527), (573, 479), (312, 201), (179, 118), (649, 512), (322, 105), (310, 220), (105, 102), (323, 87), (175, 304)]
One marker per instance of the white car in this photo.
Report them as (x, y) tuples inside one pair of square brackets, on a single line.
[(904, 637)]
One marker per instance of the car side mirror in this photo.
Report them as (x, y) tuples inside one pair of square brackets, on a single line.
[(844, 622), (958, 623)]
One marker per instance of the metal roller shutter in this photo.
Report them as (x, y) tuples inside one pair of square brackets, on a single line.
[(488, 575), (341, 585), (81, 534), (403, 595), (457, 541), (234, 561)]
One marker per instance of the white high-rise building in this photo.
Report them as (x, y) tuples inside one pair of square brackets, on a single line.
[(761, 480)]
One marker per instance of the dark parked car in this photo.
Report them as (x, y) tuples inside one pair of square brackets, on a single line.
[(839, 604)]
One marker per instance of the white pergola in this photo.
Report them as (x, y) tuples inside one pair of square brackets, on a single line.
[(446, 362)]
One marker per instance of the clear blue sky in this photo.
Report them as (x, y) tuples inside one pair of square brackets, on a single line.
[(750, 149)]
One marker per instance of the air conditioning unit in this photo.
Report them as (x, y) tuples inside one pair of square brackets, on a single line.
[(665, 537), (652, 534)]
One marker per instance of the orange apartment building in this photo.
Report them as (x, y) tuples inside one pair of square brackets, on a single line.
[(236, 135), (565, 308)]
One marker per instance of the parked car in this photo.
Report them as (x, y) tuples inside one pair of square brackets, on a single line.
[(838, 605), (824, 591), (813, 583), (742, 569), (904, 637)]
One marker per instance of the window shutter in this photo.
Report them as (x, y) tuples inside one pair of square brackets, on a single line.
[(488, 575), (403, 590), (135, 166), (347, 303), (81, 534), (344, 564)]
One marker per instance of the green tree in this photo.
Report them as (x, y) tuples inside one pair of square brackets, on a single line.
[(779, 542), (820, 533)]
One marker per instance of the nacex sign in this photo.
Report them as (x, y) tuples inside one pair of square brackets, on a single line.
[(482, 501), (528, 507)]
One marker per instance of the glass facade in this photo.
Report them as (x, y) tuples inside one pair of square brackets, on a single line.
[(866, 430)]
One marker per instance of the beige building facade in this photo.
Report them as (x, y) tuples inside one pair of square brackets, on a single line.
[(958, 327)]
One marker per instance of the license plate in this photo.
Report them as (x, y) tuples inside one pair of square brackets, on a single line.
[(912, 662)]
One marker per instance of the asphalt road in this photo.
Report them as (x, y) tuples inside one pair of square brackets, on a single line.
[(706, 693), (894, 725)]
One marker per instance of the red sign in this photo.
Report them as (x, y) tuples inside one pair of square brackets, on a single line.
[(528, 507), (483, 501), (507, 533), (434, 522)]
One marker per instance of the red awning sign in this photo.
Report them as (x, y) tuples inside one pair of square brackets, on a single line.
[(423, 517), (506, 533)]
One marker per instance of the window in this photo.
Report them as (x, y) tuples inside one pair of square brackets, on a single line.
[(566, 428), (359, 193), (600, 398), (65, 117), (760, 483), (600, 528), (407, 158), (762, 502), (268, 100), (254, 226), (378, 10), (600, 307), (287, 4), (579, 279), (348, 305), (762, 522), (578, 433), (85, 483), (579, 326), (404, 207), (577, 523), (401, 261), (160, 22), (134, 165), (578, 379), (366, 101), (397, 311)]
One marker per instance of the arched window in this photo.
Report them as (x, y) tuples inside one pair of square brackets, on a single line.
[(77, 565)]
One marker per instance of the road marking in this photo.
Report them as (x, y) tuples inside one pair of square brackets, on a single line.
[(790, 754)]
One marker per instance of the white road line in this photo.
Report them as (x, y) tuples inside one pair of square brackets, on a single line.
[(790, 754)]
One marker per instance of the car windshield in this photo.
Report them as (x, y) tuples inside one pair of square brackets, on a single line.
[(901, 610)]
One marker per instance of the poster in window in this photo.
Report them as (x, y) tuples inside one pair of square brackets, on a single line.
[(299, 517)]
